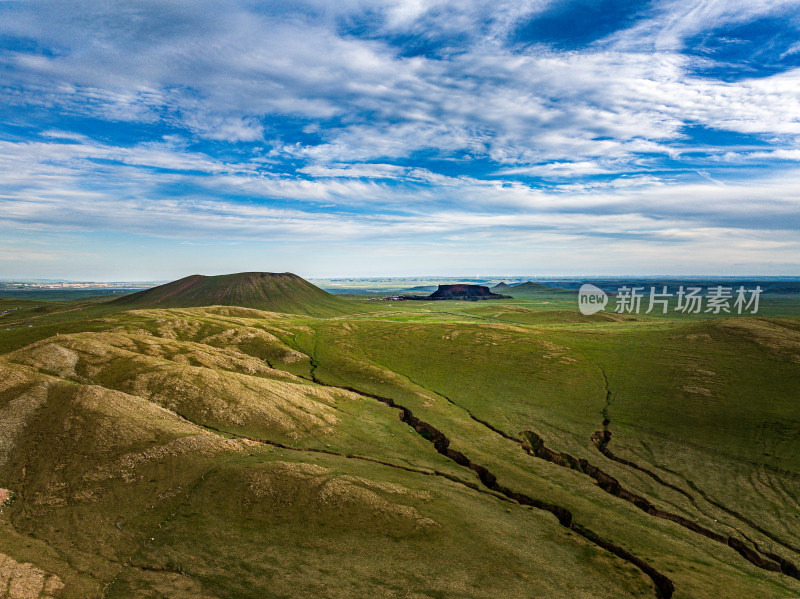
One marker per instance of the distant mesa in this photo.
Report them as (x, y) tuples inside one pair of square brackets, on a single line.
[(273, 292), (462, 292)]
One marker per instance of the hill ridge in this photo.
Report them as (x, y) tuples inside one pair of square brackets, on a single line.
[(271, 291)]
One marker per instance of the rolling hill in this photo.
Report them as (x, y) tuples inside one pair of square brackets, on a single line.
[(273, 292)]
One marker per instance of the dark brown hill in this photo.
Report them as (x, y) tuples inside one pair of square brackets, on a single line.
[(274, 292), (464, 291)]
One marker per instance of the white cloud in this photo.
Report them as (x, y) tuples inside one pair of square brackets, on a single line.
[(672, 21), (370, 171), (58, 185), (219, 73), (768, 156), (322, 131)]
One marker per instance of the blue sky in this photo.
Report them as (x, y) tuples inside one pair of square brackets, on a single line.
[(151, 140)]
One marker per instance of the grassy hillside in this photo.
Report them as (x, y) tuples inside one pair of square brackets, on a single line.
[(436, 449), (274, 292)]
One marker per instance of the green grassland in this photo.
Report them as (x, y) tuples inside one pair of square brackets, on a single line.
[(506, 448)]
